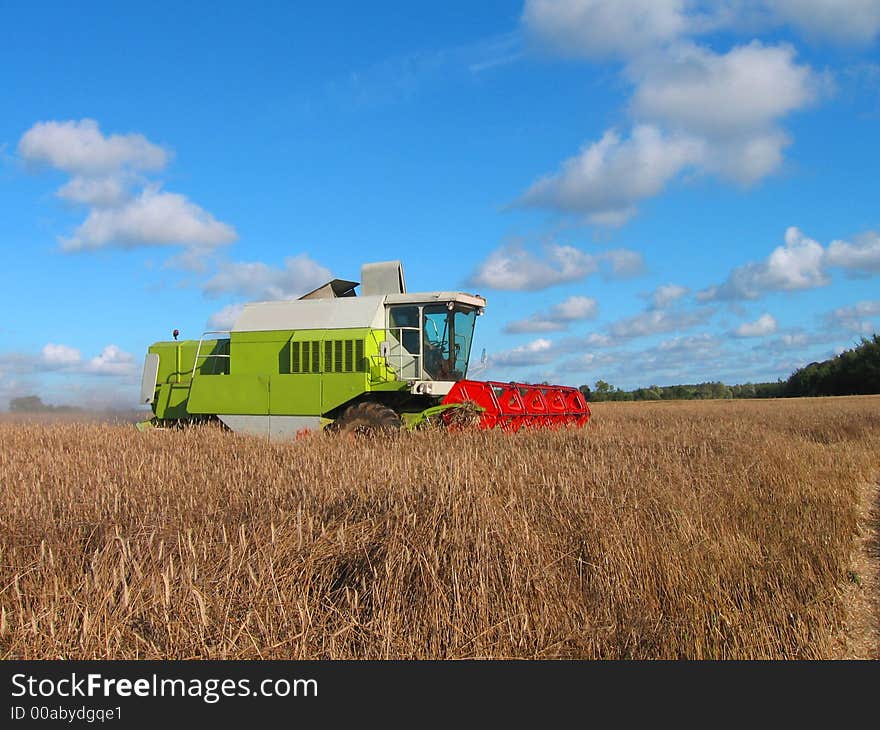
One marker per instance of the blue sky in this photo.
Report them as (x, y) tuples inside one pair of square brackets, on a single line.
[(646, 192)]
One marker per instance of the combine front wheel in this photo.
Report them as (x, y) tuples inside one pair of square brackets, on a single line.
[(367, 419)]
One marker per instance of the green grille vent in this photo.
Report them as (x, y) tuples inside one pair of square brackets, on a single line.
[(340, 356)]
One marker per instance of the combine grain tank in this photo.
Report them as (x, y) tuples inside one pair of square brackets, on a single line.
[(333, 359)]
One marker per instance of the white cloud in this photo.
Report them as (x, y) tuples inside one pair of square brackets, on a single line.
[(723, 95), (513, 267), (59, 356), (98, 191), (843, 21), (799, 264), (224, 319), (656, 321), (196, 259), (688, 345), (537, 352), (591, 360), (126, 209), (862, 256), (798, 339), (80, 148), (765, 325), (749, 158), (731, 102), (606, 178), (861, 318), (600, 28), (154, 218), (256, 280), (626, 28), (575, 308), (666, 294), (111, 361), (599, 339), (623, 263), (693, 109), (557, 317)]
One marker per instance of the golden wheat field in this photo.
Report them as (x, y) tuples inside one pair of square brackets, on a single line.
[(662, 530)]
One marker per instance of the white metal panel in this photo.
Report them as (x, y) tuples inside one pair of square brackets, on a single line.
[(272, 427), (251, 425), (287, 427), (431, 387), (303, 314), (148, 380), (436, 296), (383, 277)]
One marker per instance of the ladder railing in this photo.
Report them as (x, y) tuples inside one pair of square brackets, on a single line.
[(210, 354)]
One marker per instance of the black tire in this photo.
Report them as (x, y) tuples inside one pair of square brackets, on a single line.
[(367, 419)]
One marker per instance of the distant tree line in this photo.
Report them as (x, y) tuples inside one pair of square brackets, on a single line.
[(853, 372), (34, 404), (603, 391)]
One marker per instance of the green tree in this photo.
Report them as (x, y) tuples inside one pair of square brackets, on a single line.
[(28, 404)]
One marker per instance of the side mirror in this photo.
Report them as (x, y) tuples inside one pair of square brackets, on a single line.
[(483, 358)]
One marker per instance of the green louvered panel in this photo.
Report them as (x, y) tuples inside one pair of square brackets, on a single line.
[(339, 356), (305, 357)]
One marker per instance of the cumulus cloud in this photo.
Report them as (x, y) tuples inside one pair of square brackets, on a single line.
[(109, 176), (606, 178), (603, 28), (688, 345), (599, 339), (723, 95), (111, 361), (558, 317), (99, 191), (623, 263), (257, 280), (624, 28), (686, 358), (537, 352), (515, 268), (802, 263), (657, 321), (861, 256), (694, 110), (842, 21), (590, 361), (799, 264), (59, 356), (861, 318), (730, 102), (788, 341), (153, 218), (80, 148), (666, 294), (224, 319), (765, 325)]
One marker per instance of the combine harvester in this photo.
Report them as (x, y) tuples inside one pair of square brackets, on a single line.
[(331, 359)]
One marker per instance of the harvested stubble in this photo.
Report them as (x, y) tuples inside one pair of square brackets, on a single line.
[(719, 529)]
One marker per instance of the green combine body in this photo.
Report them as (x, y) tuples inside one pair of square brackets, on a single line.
[(305, 364)]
